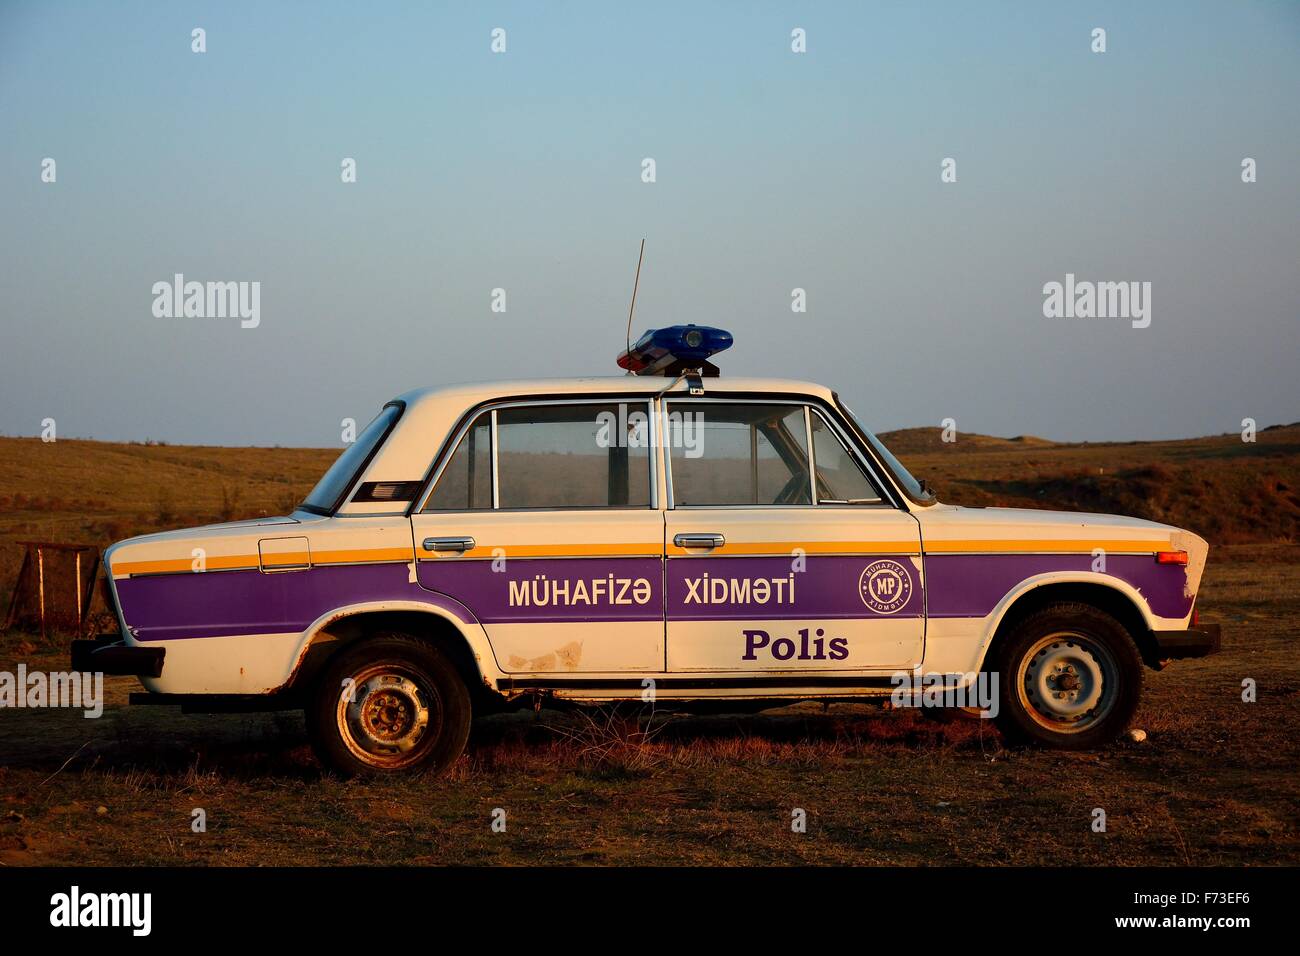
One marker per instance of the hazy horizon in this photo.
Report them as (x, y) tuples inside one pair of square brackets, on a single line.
[(977, 432)]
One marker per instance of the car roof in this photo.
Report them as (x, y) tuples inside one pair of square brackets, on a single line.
[(431, 413), (469, 394)]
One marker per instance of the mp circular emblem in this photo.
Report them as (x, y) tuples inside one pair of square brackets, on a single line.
[(885, 586)]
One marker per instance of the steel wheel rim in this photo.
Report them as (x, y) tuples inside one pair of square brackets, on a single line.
[(389, 717), (1068, 682)]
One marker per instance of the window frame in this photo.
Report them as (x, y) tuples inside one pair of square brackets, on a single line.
[(809, 408), (491, 408), (447, 455), (872, 480), (867, 441), (353, 483)]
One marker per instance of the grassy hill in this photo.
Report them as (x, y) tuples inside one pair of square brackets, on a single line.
[(923, 441), (89, 492), (1227, 490), (1231, 492)]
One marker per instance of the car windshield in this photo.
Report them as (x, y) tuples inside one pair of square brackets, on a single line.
[(910, 484), (329, 491)]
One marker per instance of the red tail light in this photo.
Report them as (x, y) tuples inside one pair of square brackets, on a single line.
[(1171, 557)]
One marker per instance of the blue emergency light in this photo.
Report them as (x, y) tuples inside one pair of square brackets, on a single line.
[(675, 349)]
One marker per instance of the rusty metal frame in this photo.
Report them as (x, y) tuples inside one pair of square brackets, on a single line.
[(34, 558)]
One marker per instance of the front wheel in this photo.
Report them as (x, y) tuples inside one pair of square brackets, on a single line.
[(389, 704), (1069, 677)]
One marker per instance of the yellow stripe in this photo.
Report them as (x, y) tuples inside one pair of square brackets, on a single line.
[(788, 548), (357, 556), (232, 562), (1043, 546), (285, 557), (551, 551), (1026, 546), (171, 565), (249, 562)]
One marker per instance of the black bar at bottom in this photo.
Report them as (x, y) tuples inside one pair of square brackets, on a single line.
[(284, 904)]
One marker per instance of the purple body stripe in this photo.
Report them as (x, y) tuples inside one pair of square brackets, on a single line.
[(827, 589), (971, 585), (488, 591), (228, 603)]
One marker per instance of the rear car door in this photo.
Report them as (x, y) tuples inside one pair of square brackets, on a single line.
[(542, 523), (767, 571)]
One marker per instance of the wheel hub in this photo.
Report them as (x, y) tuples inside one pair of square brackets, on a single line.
[(388, 714), (1065, 681)]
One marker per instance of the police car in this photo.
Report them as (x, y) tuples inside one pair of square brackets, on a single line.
[(670, 534)]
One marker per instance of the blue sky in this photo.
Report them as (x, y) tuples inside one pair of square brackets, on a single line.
[(522, 171)]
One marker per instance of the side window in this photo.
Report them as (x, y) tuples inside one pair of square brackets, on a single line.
[(839, 478), (574, 456), (738, 454), (594, 455), (466, 483)]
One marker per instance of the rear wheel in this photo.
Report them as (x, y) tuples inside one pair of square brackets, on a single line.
[(1069, 676), (389, 704)]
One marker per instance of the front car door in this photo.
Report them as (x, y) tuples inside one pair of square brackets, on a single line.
[(767, 570), (543, 523)]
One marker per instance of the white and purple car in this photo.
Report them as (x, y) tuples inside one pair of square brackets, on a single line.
[(670, 534)]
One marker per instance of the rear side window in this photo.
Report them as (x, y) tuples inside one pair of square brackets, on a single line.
[(738, 454), (573, 456), (466, 482), (583, 455)]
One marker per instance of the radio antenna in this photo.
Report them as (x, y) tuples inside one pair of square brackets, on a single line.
[(635, 282)]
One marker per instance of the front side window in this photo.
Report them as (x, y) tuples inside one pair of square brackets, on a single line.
[(904, 477), (840, 480), (737, 454), (333, 485)]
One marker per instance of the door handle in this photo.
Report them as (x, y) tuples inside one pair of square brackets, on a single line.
[(463, 543), (713, 540)]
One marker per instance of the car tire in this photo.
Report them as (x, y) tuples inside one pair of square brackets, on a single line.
[(389, 704), (1069, 677)]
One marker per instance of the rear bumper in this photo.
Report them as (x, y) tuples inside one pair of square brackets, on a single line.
[(1199, 641), (109, 654)]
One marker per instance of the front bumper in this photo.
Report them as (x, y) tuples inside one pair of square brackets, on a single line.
[(109, 654), (1199, 641)]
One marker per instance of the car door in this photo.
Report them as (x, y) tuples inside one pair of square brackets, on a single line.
[(543, 523), (765, 571)]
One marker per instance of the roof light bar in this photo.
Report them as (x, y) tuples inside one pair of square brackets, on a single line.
[(675, 349)]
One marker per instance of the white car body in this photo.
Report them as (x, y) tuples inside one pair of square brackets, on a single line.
[(866, 590)]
